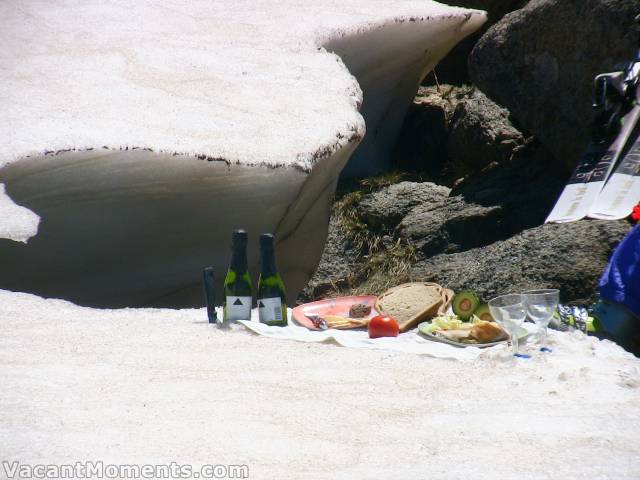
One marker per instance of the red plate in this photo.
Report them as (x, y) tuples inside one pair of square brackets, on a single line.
[(332, 306)]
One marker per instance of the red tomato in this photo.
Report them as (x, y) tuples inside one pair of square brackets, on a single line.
[(383, 326)]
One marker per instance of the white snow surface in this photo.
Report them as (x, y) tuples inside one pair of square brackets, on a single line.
[(24, 223), (247, 81), (108, 109), (154, 386)]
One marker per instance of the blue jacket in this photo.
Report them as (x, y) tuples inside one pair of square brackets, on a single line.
[(620, 282)]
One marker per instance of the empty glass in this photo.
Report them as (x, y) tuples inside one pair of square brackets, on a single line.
[(540, 306), (509, 311)]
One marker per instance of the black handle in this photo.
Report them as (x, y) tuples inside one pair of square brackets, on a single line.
[(209, 294)]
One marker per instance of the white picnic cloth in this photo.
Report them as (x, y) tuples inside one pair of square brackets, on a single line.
[(409, 342)]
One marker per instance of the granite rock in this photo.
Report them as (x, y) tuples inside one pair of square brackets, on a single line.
[(540, 61), (568, 256)]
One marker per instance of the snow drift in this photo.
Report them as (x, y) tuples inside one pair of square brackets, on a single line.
[(137, 136), (150, 386)]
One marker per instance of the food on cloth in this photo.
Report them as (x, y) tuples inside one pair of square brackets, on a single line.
[(475, 331), (446, 322), (464, 304), (318, 322), (383, 326), (483, 312), (485, 332), (342, 323), (447, 298), (339, 306), (413, 303), (460, 336), (359, 310)]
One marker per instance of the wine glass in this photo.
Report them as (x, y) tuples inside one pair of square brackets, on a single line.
[(509, 311), (540, 307)]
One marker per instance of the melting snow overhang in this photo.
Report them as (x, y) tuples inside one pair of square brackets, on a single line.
[(137, 135)]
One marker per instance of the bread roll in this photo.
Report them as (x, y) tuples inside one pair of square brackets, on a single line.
[(486, 332)]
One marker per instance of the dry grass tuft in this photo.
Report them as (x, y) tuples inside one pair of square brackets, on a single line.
[(385, 262)]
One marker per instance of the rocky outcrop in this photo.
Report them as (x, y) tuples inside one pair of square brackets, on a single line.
[(425, 216), (422, 143), (485, 232), (504, 200), (339, 260), (481, 133), (492, 248), (386, 208), (452, 132), (455, 226), (540, 61), (453, 69), (526, 187), (569, 256)]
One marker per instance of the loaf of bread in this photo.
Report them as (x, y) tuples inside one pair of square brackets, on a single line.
[(411, 303)]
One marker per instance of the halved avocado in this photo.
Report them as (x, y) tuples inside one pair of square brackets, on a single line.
[(483, 313), (464, 304)]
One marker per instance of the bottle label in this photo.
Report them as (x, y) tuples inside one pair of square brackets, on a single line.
[(270, 309), (238, 308)]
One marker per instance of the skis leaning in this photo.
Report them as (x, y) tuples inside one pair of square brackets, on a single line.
[(622, 192), (590, 175), (590, 192)]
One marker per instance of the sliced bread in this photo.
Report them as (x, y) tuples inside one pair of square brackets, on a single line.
[(412, 303)]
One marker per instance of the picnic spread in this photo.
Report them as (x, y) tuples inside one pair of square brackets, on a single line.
[(424, 316), (429, 327), (410, 342), (415, 317)]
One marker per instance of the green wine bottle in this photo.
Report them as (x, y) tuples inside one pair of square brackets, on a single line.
[(272, 306), (237, 284)]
